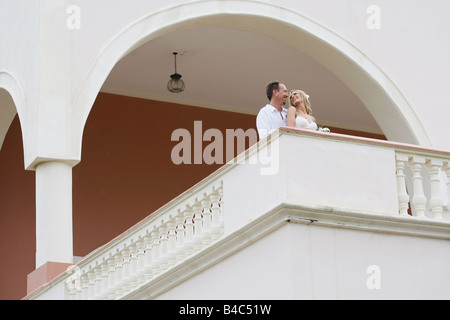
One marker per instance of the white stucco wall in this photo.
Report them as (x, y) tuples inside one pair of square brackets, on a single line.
[(19, 59), (311, 170), (300, 261)]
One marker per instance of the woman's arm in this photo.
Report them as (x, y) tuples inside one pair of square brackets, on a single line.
[(291, 117)]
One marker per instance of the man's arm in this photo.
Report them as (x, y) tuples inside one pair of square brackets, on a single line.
[(263, 125)]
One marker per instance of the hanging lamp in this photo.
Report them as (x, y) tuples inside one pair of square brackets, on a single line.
[(175, 84)]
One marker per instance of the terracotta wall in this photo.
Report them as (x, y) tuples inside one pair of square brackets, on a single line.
[(126, 173), (17, 217)]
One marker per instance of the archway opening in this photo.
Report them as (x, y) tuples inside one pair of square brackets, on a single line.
[(17, 205), (355, 70), (228, 69), (345, 65), (7, 113)]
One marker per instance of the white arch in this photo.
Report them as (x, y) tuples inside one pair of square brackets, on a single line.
[(12, 102), (383, 99)]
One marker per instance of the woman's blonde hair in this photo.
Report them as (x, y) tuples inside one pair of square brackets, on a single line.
[(305, 100)]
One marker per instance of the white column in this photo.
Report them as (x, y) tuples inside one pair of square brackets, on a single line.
[(54, 240)]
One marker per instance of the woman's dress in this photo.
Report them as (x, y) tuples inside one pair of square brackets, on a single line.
[(303, 123)]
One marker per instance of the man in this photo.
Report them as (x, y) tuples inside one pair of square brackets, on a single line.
[(273, 115)]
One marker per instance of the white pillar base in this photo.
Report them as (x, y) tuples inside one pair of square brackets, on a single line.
[(54, 236)]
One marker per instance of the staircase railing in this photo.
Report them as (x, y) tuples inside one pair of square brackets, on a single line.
[(167, 237)]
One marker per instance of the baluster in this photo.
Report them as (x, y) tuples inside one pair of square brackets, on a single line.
[(148, 257), (221, 205), (436, 201), (133, 266), (198, 227), (79, 293), (206, 214), (91, 277), (84, 287), (155, 251), (189, 231), (403, 198), (446, 169), (104, 285), (80, 283), (76, 276), (215, 212), (98, 282), (179, 221), (419, 200), (70, 284), (172, 242), (163, 258), (111, 277), (140, 261), (117, 290), (125, 270), (74, 283)]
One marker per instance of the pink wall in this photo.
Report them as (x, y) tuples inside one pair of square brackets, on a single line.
[(126, 170), (17, 217)]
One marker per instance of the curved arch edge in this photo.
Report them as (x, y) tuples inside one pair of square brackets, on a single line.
[(10, 84), (383, 92)]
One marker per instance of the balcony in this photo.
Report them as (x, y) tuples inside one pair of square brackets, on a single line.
[(299, 215)]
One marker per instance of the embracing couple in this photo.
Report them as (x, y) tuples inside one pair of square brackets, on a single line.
[(274, 115)]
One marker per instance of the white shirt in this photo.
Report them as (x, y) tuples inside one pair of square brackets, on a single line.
[(270, 119)]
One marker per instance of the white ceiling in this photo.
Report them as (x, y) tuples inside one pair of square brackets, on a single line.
[(228, 69)]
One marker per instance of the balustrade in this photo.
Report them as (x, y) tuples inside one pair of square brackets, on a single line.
[(424, 192), (167, 239)]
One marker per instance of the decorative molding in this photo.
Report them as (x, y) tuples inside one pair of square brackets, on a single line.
[(276, 218)]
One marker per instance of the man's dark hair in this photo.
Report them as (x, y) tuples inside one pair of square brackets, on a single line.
[(275, 85)]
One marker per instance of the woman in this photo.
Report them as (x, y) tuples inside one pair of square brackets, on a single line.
[(299, 114)]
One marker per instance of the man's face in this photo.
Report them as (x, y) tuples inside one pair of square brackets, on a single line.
[(282, 94)]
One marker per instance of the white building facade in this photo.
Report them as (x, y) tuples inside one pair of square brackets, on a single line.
[(393, 55)]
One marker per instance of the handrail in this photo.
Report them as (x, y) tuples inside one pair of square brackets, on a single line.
[(384, 143)]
